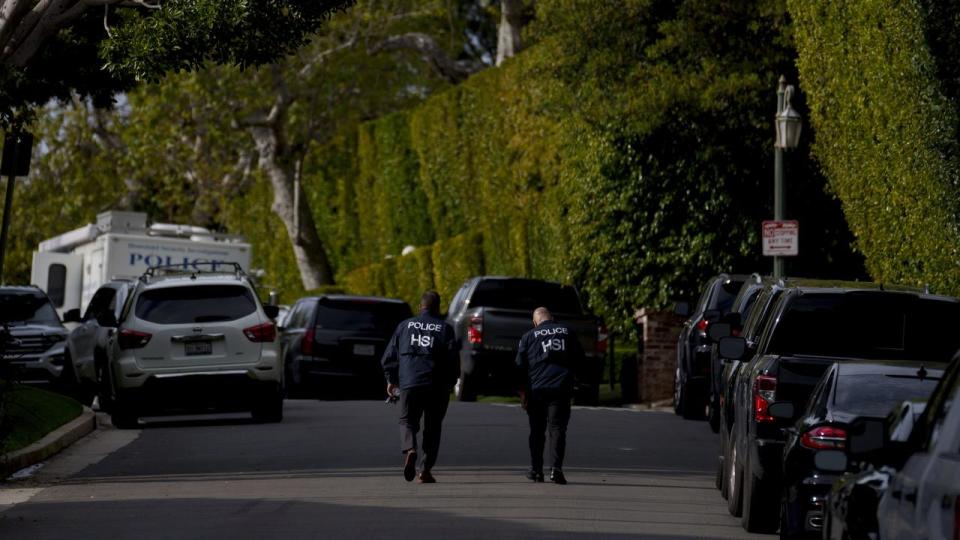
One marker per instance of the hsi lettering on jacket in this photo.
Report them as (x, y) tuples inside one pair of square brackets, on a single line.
[(421, 340), (554, 344)]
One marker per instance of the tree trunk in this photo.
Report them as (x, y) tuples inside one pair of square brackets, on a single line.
[(308, 249), (508, 32)]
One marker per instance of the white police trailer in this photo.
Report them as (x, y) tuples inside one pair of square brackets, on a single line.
[(72, 266)]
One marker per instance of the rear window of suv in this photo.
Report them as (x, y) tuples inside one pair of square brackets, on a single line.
[(360, 316), (526, 294), (873, 326), (195, 304)]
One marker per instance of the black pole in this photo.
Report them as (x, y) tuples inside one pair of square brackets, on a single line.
[(7, 207)]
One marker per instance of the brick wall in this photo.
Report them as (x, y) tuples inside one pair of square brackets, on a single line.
[(658, 361)]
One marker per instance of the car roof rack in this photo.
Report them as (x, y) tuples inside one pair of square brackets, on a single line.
[(179, 270)]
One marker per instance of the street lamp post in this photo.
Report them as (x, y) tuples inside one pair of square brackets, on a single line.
[(788, 125)]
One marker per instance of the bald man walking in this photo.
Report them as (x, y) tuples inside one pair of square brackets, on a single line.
[(547, 359)]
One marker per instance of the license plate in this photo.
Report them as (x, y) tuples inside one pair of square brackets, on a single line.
[(364, 350), (199, 348)]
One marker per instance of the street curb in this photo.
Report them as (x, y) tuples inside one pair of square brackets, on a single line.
[(52, 443)]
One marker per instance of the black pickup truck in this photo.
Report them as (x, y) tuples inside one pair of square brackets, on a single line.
[(491, 313), (811, 326)]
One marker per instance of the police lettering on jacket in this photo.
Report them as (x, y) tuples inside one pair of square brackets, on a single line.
[(421, 352), (548, 357)]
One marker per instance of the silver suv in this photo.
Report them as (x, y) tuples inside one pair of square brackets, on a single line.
[(36, 346), (191, 341)]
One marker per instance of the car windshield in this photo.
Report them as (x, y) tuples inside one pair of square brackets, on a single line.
[(195, 304), (868, 325), (724, 295), (27, 308), (526, 294), (360, 315), (877, 394)]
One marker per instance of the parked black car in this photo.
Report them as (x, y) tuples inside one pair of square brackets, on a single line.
[(847, 391), (811, 326), (691, 383), (850, 511), (35, 351), (490, 314), (754, 302), (340, 339)]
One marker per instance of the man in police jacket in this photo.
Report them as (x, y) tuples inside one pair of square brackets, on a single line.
[(421, 361), (547, 358)]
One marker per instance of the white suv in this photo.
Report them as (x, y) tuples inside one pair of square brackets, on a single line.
[(190, 341)]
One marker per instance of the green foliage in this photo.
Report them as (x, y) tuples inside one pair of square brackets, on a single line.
[(456, 260), (145, 44), (886, 129), (413, 275)]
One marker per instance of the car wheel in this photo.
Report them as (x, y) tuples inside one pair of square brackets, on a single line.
[(759, 514), (104, 388), (464, 389), (713, 415), (123, 416), (691, 407), (269, 408), (722, 461), (734, 483), (70, 385), (677, 393)]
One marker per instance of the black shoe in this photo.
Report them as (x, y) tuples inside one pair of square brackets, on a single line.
[(536, 476), (557, 477), (410, 466)]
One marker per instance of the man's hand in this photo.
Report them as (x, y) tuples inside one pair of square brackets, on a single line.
[(391, 389), (523, 399)]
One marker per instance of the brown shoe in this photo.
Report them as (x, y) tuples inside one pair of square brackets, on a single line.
[(410, 465), (426, 478)]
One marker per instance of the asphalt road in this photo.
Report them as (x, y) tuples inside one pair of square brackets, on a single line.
[(332, 470)]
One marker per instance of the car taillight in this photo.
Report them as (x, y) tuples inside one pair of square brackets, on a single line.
[(764, 388), (603, 339), (702, 325), (131, 339), (306, 344), (261, 333), (824, 438), (475, 330)]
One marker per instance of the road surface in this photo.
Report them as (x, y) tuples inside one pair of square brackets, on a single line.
[(332, 470)]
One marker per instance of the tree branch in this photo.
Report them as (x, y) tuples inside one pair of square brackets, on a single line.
[(454, 71)]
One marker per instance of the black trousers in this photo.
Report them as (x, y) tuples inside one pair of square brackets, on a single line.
[(548, 410), (430, 402)]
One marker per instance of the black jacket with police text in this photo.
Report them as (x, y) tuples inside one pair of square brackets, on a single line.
[(548, 357), (423, 351)]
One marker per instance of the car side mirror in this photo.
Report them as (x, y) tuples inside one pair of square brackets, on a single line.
[(711, 315), (733, 348), (71, 315), (718, 331), (107, 319), (271, 310), (830, 460), (866, 436), (682, 309), (782, 409)]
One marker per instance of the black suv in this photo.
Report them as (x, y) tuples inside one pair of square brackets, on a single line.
[(691, 384), (338, 338), (37, 339), (812, 325)]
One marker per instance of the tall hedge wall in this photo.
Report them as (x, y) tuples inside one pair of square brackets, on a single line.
[(627, 151), (880, 75)]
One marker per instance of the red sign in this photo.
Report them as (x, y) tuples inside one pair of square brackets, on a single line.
[(781, 238)]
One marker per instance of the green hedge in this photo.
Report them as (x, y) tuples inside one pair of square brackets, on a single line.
[(886, 129)]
